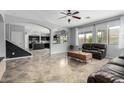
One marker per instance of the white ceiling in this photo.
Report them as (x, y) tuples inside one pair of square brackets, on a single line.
[(34, 28), (37, 28), (52, 16)]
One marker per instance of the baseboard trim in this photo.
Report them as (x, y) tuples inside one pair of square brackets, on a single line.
[(18, 58)]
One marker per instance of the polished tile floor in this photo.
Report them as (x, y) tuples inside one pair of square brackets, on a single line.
[(42, 68)]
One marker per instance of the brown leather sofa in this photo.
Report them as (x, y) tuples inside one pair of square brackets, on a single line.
[(112, 72), (98, 50)]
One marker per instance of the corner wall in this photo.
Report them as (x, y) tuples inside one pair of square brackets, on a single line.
[(2, 37), (59, 48), (2, 46)]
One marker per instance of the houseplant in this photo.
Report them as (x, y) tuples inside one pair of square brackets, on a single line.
[(71, 47)]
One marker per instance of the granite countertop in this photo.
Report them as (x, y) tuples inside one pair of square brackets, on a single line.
[(1, 58)]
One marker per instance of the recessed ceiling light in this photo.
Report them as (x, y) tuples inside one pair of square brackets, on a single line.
[(87, 17)]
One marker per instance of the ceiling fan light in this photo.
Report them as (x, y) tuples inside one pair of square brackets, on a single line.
[(69, 20)]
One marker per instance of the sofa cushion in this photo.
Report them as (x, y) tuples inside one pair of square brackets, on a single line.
[(84, 50), (109, 73), (95, 48), (104, 77), (87, 46), (121, 56), (114, 69), (117, 61), (99, 46), (119, 80), (101, 50), (92, 51)]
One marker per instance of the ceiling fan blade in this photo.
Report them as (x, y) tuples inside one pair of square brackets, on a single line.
[(63, 13), (75, 13), (76, 17), (62, 17)]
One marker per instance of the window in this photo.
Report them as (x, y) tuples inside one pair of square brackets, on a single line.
[(85, 38), (109, 36), (81, 38), (102, 36), (113, 35), (88, 37)]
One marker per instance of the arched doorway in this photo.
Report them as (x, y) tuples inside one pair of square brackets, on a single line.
[(31, 37)]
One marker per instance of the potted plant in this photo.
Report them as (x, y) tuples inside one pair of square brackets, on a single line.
[(71, 47), (80, 49)]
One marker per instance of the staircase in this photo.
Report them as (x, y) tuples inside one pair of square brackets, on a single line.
[(13, 51)]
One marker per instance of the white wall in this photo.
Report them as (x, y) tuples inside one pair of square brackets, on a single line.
[(59, 48), (7, 31), (121, 34), (113, 51), (2, 46), (11, 28), (2, 37)]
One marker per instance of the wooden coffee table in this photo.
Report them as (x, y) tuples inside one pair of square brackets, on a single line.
[(84, 56)]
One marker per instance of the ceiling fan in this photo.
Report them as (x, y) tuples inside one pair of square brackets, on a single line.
[(70, 14)]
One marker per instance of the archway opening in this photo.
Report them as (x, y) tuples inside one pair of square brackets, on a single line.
[(31, 37)]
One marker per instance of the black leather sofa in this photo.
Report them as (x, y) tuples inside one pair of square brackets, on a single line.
[(98, 50), (112, 72)]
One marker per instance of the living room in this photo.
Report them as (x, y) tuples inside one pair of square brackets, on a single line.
[(65, 46), (61, 46)]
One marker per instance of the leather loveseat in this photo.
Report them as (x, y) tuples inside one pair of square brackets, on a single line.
[(98, 50), (112, 72)]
